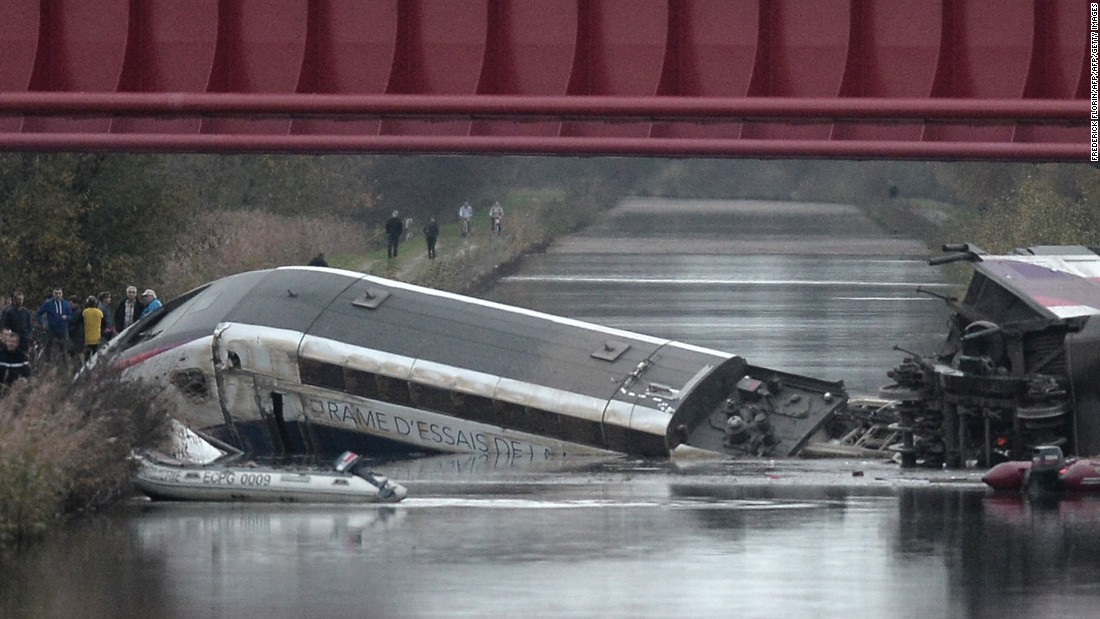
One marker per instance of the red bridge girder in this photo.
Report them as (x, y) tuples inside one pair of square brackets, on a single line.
[(928, 79)]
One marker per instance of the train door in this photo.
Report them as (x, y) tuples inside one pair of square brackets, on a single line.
[(252, 370)]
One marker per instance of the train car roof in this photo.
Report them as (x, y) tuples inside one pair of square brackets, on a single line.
[(458, 331), (1061, 284)]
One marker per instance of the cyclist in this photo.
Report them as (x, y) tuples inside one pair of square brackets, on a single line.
[(496, 214), (465, 213)]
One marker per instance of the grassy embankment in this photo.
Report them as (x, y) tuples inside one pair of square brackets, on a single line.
[(224, 243), (464, 264)]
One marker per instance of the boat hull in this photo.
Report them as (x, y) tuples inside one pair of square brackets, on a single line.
[(180, 482), (1015, 476)]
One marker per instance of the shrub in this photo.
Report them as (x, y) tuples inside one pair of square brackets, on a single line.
[(65, 445)]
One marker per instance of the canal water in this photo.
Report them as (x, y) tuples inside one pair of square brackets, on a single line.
[(615, 538), (813, 289)]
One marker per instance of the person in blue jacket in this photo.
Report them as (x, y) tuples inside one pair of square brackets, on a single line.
[(58, 313), (152, 303)]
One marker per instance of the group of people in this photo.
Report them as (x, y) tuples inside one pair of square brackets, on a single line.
[(395, 227), (72, 327)]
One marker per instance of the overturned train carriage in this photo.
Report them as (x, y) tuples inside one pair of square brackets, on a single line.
[(1020, 367), (313, 361)]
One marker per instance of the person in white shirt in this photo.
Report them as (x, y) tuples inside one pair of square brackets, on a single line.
[(128, 310), (465, 213), (496, 214)]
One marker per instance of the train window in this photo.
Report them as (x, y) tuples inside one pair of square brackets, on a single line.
[(393, 390), (508, 415), (542, 422), (546, 423), (431, 398), (577, 430), (473, 407), (321, 374), (360, 383)]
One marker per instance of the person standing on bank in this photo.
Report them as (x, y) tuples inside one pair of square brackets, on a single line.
[(76, 328), (431, 233), (93, 327), (394, 228), (108, 315), (129, 310), (18, 319), (58, 314), (152, 303)]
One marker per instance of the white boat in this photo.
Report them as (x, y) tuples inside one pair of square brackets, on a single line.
[(165, 478)]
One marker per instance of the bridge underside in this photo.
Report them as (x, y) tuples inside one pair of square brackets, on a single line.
[(923, 79)]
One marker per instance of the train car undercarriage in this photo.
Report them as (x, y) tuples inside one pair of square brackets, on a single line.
[(1020, 366)]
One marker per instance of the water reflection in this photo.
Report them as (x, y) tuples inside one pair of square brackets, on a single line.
[(1008, 556), (91, 569), (616, 539)]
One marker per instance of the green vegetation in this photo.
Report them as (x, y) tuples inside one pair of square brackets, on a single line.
[(84, 222), (64, 448)]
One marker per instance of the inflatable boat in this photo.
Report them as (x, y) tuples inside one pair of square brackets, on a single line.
[(1047, 471), (164, 478)]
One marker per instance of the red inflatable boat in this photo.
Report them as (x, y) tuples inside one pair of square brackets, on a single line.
[(1047, 468)]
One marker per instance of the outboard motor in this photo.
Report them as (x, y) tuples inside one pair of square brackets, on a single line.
[(351, 463), (1045, 475)]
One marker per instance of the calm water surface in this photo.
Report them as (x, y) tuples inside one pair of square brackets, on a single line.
[(607, 539), (836, 318)]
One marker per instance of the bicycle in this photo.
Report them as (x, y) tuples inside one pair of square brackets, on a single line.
[(36, 347), (465, 226), (496, 214)]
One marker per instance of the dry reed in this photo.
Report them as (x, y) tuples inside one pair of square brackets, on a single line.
[(65, 445), (221, 243)]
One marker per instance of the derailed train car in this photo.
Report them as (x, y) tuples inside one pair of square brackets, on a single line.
[(302, 361), (1020, 367)]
